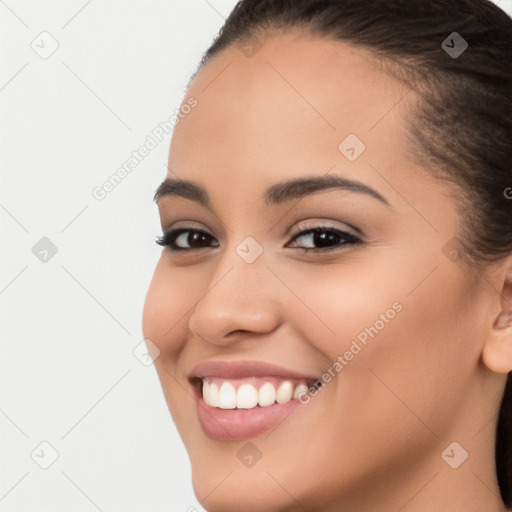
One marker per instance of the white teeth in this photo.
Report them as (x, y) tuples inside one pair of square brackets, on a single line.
[(267, 394), (248, 396), (213, 397), (227, 396), (300, 390), (284, 392), (206, 392)]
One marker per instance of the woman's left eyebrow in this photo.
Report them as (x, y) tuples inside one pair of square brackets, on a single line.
[(301, 187), (275, 194)]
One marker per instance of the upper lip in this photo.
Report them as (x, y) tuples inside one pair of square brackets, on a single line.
[(241, 369)]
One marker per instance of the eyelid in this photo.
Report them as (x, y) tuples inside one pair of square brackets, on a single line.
[(184, 224), (319, 224)]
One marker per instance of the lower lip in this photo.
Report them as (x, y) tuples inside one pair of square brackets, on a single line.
[(237, 424)]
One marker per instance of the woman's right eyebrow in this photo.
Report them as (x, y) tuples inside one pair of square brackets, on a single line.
[(279, 193)]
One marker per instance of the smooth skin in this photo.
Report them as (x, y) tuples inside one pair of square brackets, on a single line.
[(372, 439)]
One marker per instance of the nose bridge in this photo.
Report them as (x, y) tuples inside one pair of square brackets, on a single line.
[(239, 296)]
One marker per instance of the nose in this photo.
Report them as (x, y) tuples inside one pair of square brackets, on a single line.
[(241, 299)]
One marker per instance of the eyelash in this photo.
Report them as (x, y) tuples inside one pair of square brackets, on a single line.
[(169, 238)]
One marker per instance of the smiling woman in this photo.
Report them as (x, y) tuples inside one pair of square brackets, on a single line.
[(335, 219)]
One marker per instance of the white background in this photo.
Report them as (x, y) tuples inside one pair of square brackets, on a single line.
[(67, 372)]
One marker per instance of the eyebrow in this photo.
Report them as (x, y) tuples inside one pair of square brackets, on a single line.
[(274, 195)]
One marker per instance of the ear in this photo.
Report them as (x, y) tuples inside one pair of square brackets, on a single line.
[(497, 352)]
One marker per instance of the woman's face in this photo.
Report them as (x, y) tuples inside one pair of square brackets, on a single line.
[(378, 310)]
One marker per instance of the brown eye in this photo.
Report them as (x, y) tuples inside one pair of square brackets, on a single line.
[(323, 238), (186, 239)]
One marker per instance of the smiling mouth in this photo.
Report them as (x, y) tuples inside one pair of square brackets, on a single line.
[(238, 400), (248, 393), (237, 409)]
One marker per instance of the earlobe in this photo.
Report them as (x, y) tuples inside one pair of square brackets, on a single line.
[(497, 352)]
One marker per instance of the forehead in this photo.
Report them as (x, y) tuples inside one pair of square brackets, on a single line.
[(286, 109)]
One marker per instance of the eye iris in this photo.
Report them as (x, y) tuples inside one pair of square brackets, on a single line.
[(195, 238), (324, 238)]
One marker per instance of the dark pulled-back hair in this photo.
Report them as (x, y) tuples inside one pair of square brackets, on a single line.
[(460, 129)]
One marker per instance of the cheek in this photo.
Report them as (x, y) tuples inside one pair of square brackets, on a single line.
[(403, 335), (419, 365), (171, 296), (338, 303)]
